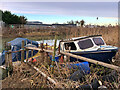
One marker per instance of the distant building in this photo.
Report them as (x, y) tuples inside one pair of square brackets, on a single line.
[(91, 26), (33, 23), (37, 24), (69, 25)]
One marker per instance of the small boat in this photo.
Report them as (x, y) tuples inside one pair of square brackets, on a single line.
[(92, 47), (15, 45)]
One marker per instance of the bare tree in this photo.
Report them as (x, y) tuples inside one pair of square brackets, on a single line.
[(82, 22)]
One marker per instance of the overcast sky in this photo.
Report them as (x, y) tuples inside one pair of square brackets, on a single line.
[(63, 10)]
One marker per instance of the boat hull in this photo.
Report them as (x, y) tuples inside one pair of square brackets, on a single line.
[(101, 55)]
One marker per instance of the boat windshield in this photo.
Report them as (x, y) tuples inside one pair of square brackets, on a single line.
[(98, 41), (71, 45), (84, 44)]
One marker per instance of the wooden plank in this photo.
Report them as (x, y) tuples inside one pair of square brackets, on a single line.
[(117, 68), (34, 48), (48, 78), (15, 51)]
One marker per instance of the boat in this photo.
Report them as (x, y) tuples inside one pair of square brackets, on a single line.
[(93, 47), (15, 45)]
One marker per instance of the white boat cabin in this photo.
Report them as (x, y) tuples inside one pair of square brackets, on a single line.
[(86, 43)]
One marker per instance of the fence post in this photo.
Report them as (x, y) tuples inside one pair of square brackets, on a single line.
[(27, 53), (10, 66), (59, 49), (41, 46), (31, 50), (8, 58), (42, 53), (53, 58), (46, 55), (7, 63), (22, 52)]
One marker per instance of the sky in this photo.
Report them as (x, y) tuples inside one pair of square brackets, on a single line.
[(61, 12)]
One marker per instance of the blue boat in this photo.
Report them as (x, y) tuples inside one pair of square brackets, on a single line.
[(15, 46), (92, 47)]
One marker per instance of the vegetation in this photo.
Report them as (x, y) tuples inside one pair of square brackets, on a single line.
[(81, 23), (10, 18)]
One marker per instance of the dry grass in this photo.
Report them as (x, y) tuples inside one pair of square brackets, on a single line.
[(25, 76), (110, 34)]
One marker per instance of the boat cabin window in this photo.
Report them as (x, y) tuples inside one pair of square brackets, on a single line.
[(98, 41), (71, 45), (84, 44)]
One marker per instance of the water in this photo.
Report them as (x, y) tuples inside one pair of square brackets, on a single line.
[(49, 42)]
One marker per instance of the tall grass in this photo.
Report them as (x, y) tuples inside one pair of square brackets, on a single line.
[(110, 34)]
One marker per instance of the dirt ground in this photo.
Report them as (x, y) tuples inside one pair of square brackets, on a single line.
[(25, 76)]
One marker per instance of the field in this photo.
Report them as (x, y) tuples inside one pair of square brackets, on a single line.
[(110, 34), (27, 77)]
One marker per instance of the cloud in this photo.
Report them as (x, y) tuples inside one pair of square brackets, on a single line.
[(100, 9)]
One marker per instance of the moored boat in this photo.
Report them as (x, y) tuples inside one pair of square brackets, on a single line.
[(92, 47)]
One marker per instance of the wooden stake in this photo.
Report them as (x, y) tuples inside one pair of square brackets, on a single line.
[(59, 49), (10, 60), (41, 45), (22, 52), (6, 59), (46, 56), (27, 53), (53, 58), (42, 52), (31, 50)]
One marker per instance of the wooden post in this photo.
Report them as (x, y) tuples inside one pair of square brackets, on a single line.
[(41, 45), (53, 58), (31, 50), (10, 66), (68, 57), (6, 59), (27, 53), (31, 53), (46, 56), (22, 52), (59, 49), (42, 52), (10, 60)]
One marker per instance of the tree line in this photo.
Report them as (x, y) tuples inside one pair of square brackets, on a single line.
[(10, 18)]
